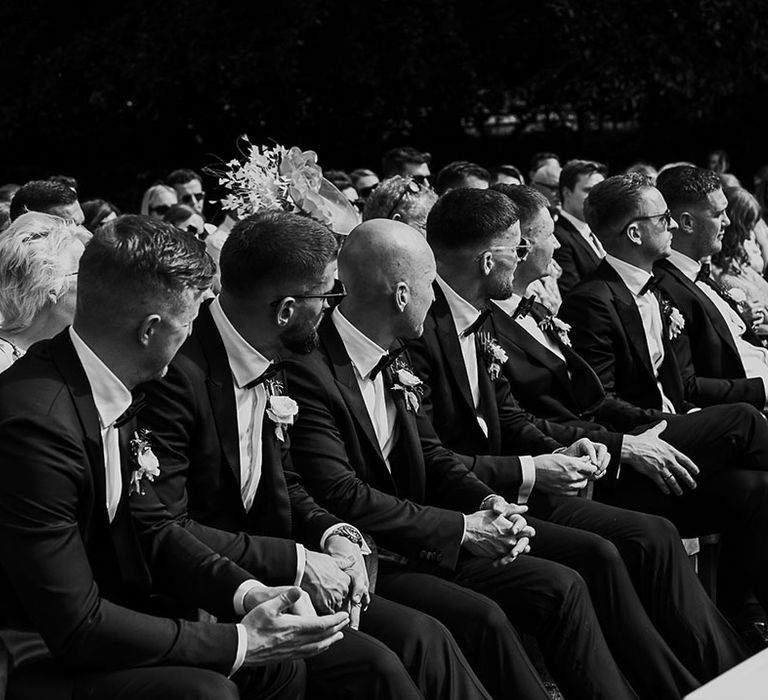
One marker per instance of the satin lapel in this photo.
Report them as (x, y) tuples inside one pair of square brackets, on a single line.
[(410, 478), (221, 391), (448, 339), (66, 360), (488, 404), (272, 500), (344, 375)]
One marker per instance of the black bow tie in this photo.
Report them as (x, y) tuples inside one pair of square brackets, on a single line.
[(475, 325), (705, 272), (385, 361), (650, 285), (130, 413), (268, 373), (524, 307)]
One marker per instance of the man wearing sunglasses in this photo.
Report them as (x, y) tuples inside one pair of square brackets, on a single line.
[(189, 188), (220, 425)]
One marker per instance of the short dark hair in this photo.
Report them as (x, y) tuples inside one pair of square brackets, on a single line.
[(338, 178), (614, 201), (41, 195), (506, 169), (134, 256), (181, 176), (393, 161), (454, 175), (67, 180), (95, 211), (538, 158), (684, 185), (574, 169), (271, 246), (527, 200), (465, 218)]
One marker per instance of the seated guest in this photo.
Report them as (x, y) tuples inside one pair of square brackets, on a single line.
[(48, 197), (547, 181), (462, 173), (580, 250), (186, 219), (98, 212), (189, 188), (407, 161), (367, 452), (733, 266), (476, 238), (401, 199), (219, 423), (542, 159), (39, 255), (506, 175), (647, 169), (157, 200), (720, 356), (75, 579), (365, 182)]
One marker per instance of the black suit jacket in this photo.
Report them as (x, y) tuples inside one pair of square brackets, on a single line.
[(574, 255), (414, 510), (607, 331), (193, 418), (709, 361), (437, 359), (66, 573)]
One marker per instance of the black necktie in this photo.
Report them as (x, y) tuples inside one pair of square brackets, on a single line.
[(475, 325), (385, 361), (268, 373), (130, 413), (524, 307), (650, 285)]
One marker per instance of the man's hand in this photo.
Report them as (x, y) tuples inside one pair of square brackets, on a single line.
[(596, 451), (350, 560), (563, 475), (494, 536), (326, 583), (274, 634), (523, 531), (665, 465), (261, 594)]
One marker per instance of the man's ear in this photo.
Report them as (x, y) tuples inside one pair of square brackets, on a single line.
[(148, 327), (486, 263), (285, 311), (633, 233), (685, 221), (402, 296)]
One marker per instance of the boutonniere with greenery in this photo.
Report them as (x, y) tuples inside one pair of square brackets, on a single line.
[(552, 324), (675, 319), (493, 354), (147, 464), (281, 410), (407, 382)]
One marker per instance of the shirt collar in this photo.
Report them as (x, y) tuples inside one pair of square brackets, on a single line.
[(689, 267), (362, 351), (632, 276), (111, 397), (508, 306), (245, 361), (464, 314), (581, 226)]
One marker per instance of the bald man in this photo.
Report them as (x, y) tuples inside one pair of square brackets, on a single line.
[(449, 545), (219, 424)]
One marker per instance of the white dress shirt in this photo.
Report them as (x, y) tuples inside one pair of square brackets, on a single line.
[(586, 233), (754, 359), (650, 313), (464, 315)]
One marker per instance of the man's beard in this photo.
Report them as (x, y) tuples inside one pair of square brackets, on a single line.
[(302, 340), (500, 289)]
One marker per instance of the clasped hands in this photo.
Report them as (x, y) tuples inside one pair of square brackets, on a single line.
[(498, 532), (567, 471)]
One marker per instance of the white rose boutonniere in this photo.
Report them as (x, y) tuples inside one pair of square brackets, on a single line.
[(282, 411), (675, 319), (493, 354), (553, 324), (148, 466), (407, 382)]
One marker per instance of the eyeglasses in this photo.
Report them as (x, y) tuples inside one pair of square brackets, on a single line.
[(332, 298), (410, 187), (160, 209), (665, 218), (421, 179), (521, 249), (192, 196)]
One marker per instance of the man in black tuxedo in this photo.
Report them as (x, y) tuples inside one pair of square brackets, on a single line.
[(219, 423), (580, 251), (74, 583), (622, 329), (719, 353)]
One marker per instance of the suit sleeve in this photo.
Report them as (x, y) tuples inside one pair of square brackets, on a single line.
[(43, 553)]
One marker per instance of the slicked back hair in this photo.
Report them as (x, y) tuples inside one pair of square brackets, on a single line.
[(574, 169), (468, 218), (612, 202), (527, 200), (133, 259), (274, 246), (41, 195), (454, 175), (182, 176), (686, 185)]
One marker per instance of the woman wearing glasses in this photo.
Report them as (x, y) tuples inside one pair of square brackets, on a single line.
[(157, 200), (39, 256)]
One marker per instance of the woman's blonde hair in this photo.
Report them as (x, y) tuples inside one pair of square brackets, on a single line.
[(149, 195), (32, 272)]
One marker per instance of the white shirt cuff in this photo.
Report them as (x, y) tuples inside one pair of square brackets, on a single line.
[(765, 392), (464, 529), (242, 590), (242, 647), (364, 548), (301, 563), (528, 468)]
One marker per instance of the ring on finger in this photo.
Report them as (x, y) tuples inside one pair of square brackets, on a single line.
[(667, 476)]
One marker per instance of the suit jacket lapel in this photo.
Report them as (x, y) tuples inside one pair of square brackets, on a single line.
[(578, 239), (407, 460), (221, 391)]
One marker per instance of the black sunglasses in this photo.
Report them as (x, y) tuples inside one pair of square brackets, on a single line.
[(160, 209), (187, 198), (332, 298)]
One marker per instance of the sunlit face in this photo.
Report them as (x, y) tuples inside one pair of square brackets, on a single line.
[(709, 223), (655, 234), (170, 333), (475, 183), (191, 193), (366, 185), (194, 225), (540, 233), (573, 200), (63, 309), (72, 212), (161, 201), (418, 171)]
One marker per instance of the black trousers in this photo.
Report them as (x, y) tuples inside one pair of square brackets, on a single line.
[(481, 603), (664, 631)]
